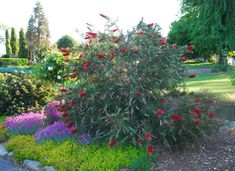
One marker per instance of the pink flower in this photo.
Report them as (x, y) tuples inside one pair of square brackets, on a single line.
[(174, 46)]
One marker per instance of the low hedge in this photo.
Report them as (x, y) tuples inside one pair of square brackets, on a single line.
[(13, 61)]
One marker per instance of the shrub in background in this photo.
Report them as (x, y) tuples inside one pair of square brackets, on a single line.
[(20, 93), (56, 132), (232, 78), (24, 124), (3, 134), (13, 61)]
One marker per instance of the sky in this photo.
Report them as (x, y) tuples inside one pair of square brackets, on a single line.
[(67, 16)]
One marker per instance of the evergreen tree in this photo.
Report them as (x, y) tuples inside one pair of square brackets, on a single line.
[(23, 48), (38, 33), (66, 42), (8, 43), (14, 42)]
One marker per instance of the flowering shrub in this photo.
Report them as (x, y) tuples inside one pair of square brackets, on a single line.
[(20, 93), (24, 124), (124, 85), (56, 132), (52, 112)]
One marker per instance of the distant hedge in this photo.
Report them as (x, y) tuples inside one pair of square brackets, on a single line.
[(13, 61)]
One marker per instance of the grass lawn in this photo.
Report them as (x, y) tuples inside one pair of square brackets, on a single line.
[(199, 65)]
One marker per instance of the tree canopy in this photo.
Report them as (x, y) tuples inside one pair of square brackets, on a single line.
[(66, 41)]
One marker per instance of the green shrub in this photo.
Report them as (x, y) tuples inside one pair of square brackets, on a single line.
[(220, 68), (12, 69), (14, 61), (3, 134), (20, 92), (143, 163), (69, 155), (232, 78)]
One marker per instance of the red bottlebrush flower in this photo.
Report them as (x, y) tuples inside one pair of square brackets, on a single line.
[(72, 75), (150, 35), (65, 75), (69, 125), (197, 112), (184, 59), (162, 41), (212, 115), (89, 43), (192, 75), (197, 100), (138, 94), (101, 39), (73, 131), (91, 35), (197, 122), (66, 53), (85, 65), (114, 30), (82, 94), (150, 149), (116, 40), (164, 101), (134, 49), (66, 59), (109, 120), (140, 33), (79, 56), (159, 35), (139, 141), (101, 56), (63, 49), (64, 90), (104, 16), (65, 114), (112, 143), (123, 50), (190, 47), (159, 112), (75, 70), (174, 46), (150, 25), (147, 135), (176, 117), (72, 103)]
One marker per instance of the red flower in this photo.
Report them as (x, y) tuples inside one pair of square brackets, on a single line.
[(69, 125), (162, 41), (66, 59), (123, 50), (100, 55), (183, 59), (139, 141), (192, 75), (190, 47), (176, 117), (63, 49), (72, 103), (64, 90), (82, 94), (197, 122), (66, 53), (91, 35), (109, 120), (134, 49), (73, 131), (212, 115), (65, 114), (72, 75), (197, 100), (140, 33), (147, 135), (159, 112), (114, 30), (138, 94), (150, 149), (104, 16), (159, 35), (79, 56), (164, 101), (150, 35), (150, 25), (112, 143), (197, 112), (85, 65), (65, 75), (174, 46)]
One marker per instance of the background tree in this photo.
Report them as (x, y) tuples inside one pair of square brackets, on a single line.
[(38, 33), (214, 28), (66, 41), (14, 42), (23, 48), (8, 44), (2, 29)]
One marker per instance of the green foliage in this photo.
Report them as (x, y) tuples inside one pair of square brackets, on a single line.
[(232, 78), (67, 42), (12, 69), (8, 43), (51, 68), (23, 48), (3, 134), (69, 155), (14, 42), (143, 163), (20, 92), (220, 67), (13, 61), (2, 118)]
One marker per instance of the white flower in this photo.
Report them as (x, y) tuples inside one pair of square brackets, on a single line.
[(50, 68), (58, 77)]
